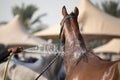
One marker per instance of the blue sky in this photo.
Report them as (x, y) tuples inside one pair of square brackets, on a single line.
[(51, 7)]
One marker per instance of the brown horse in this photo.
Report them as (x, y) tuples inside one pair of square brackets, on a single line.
[(80, 63)]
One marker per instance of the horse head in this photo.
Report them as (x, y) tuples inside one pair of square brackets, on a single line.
[(67, 21), (70, 33)]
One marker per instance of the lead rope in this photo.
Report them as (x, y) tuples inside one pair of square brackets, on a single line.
[(54, 59), (60, 42), (6, 67)]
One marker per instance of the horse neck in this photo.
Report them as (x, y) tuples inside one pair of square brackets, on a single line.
[(77, 36), (75, 40), (74, 49)]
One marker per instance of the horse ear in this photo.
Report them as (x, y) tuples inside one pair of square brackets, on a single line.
[(64, 11), (76, 11)]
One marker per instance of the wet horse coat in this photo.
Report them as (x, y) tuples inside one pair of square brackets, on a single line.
[(80, 63)]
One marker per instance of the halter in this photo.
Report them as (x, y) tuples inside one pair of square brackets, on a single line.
[(66, 18)]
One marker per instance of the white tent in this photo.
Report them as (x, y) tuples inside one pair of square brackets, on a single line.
[(51, 32), (14, 33), (93, 21), (96, 22), (111, 47)]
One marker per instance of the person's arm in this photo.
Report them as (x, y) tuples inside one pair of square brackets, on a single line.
[(5, 54)]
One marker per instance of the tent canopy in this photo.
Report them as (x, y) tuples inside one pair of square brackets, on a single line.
[(93, 23), (14, 33), (111, 47), (51, 32), (96, 22)]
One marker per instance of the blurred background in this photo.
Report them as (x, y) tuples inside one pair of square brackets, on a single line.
[(52, 8)]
